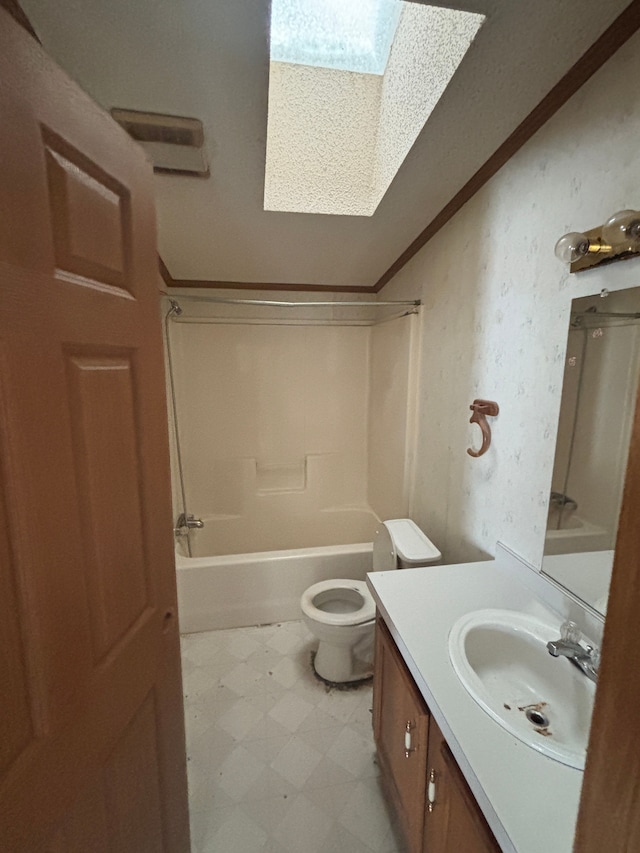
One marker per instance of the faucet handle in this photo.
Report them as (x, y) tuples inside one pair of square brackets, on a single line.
[(570, 632), (594, 654)]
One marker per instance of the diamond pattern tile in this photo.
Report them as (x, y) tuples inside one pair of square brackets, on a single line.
[(278, 762), (303, 828)]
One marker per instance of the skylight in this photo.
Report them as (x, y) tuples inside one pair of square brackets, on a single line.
[(343, 112), (341, 34)]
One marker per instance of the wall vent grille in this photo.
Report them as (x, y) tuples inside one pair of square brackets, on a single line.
[(174, 144)]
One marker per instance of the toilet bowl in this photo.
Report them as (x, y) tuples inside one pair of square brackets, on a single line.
[(340, 613)]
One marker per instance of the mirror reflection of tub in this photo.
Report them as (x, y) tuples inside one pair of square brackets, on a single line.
[(568, 533), (598, 398)]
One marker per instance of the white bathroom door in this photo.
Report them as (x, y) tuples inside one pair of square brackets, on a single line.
[(91, 723)]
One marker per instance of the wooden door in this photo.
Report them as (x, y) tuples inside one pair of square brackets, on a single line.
[(91, 726), (454, 822), (401, 728)]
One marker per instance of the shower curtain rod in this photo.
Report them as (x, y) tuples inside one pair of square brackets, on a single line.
[(235, 321), (620, 314), (223, 300)]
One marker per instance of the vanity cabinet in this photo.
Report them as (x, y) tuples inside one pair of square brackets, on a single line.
[(453, 821), (432, 801), (401, 732)]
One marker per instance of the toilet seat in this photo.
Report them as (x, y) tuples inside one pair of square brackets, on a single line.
[(365, 613)]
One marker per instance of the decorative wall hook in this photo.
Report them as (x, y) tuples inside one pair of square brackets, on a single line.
[(480, 409)]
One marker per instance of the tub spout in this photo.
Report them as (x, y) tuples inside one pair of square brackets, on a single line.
[(185, 523)]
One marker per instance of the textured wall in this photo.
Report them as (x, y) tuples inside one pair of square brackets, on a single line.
[(496, 314)]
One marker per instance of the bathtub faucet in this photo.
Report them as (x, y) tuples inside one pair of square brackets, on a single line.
[(185, 523), (561, 501)]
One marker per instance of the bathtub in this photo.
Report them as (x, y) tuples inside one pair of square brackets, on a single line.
[(235, 590), (576, 535)]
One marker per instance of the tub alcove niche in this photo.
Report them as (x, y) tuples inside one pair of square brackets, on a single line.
[(276, 447)]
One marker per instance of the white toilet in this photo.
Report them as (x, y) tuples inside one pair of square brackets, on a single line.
[(341, 613)]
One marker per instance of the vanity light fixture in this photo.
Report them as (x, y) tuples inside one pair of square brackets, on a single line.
[(624, 226), (576, 245), (617, 239)]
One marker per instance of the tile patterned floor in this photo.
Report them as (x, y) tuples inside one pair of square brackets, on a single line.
[(278, 763)]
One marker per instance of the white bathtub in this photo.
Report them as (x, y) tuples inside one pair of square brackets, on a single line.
[(231, 591), (576, 535)]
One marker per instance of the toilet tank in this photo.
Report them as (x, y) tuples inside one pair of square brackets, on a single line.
[(400, 544)]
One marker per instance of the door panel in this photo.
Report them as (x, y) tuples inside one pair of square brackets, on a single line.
[(101, 395), (97, 249), (92, 749)]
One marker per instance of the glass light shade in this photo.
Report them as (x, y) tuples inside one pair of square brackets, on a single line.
[(623, 227), (572, 247)]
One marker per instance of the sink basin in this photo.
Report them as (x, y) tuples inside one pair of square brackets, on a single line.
[(501, 658)]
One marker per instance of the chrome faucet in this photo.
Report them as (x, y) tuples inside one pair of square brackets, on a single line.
[(561, 501), (586, 658), (185, 523)]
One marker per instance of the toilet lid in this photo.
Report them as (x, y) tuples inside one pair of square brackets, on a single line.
[(330, 590)]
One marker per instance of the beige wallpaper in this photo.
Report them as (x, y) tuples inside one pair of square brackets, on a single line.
[(496, 313)]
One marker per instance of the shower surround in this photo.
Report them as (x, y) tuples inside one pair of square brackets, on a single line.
[(294, 438)]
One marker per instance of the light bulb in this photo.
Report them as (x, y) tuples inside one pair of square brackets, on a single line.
[(572, 247), (623, 227)]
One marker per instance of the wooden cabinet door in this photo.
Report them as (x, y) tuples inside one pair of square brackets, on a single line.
[(454, 822), (91, 721), (401, 728)]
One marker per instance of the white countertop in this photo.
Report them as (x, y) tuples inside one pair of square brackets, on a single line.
[(529, 800)]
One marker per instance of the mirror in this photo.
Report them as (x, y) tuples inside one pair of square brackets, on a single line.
[(602, 367)]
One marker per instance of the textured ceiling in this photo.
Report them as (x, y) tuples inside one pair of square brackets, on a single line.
[(210, 59)]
